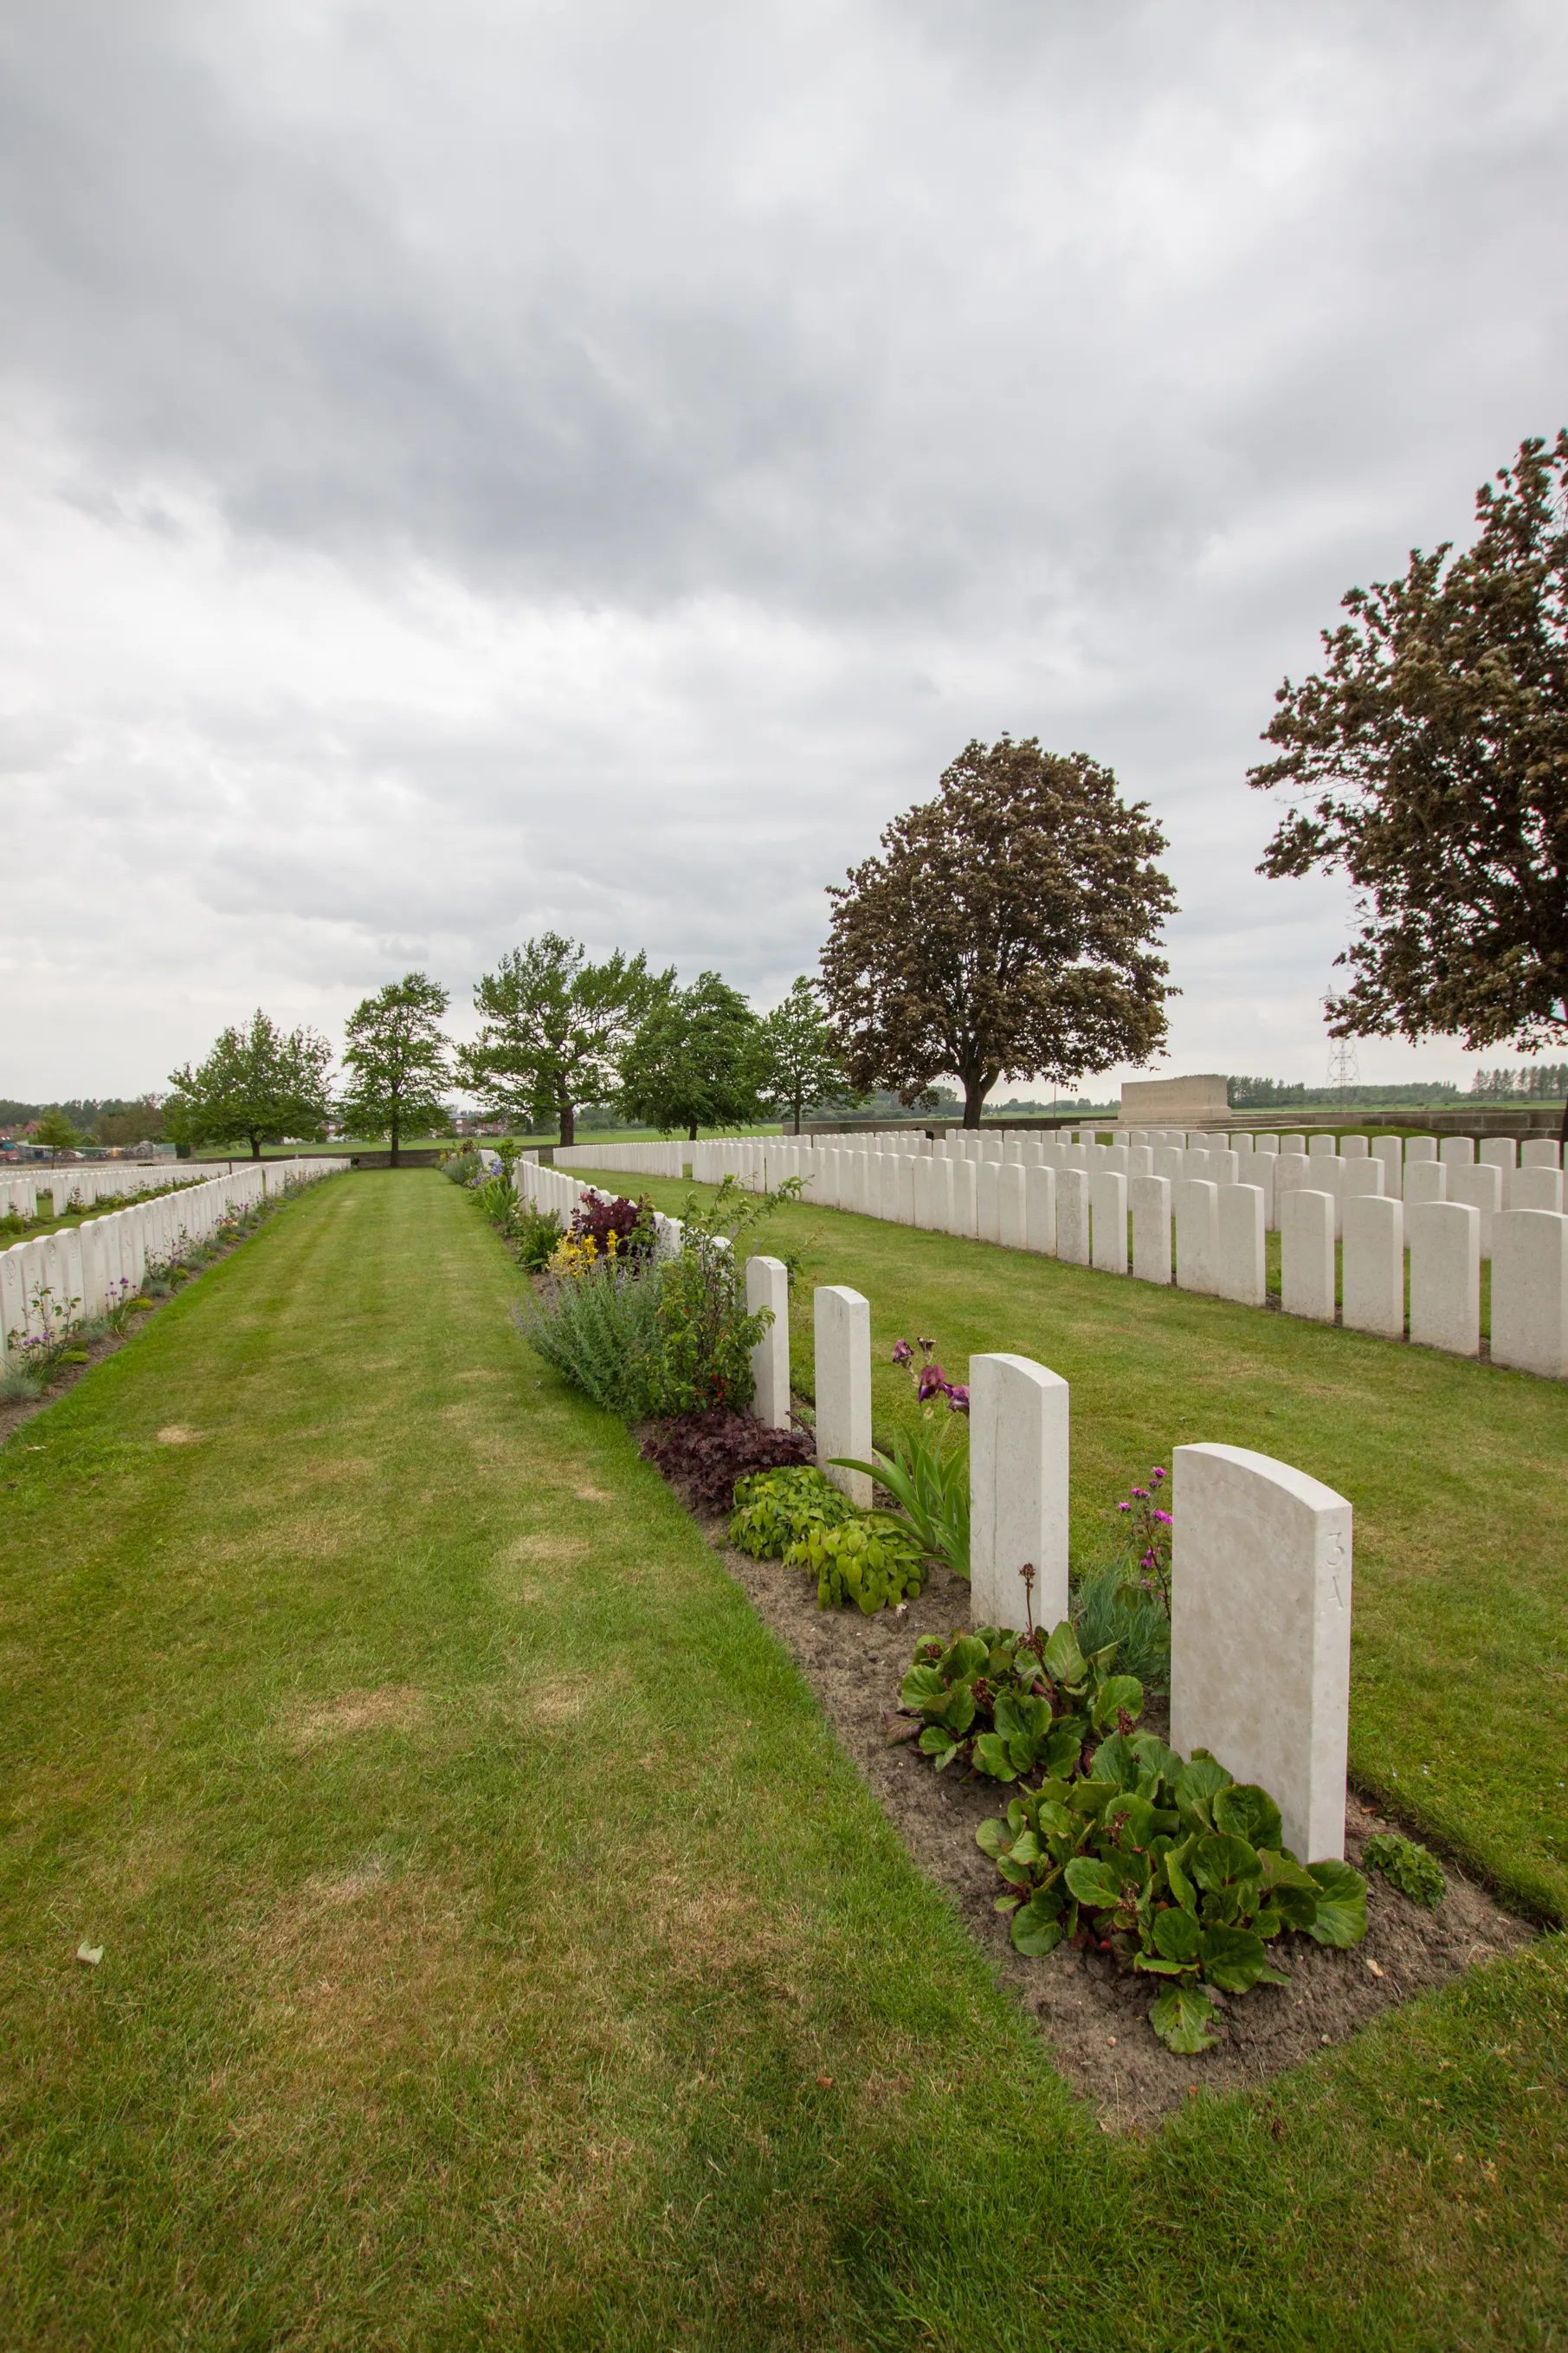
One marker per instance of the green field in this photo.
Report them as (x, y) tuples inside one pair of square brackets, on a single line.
[(498, 1948)]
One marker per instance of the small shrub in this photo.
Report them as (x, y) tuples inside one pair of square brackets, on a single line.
[(535, 1235), (19, 1385), (871, 1560), (463, 1167), (1413, 1869), (1052, 1699), (927, 1473), (621, 1228), (599, 1331), (708, 1453), (778, 1508), (1108, 1611)]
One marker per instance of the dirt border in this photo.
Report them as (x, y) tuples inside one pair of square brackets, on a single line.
[(1093, 2015)]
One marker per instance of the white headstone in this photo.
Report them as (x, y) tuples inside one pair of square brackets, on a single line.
[(1150, 1198), (1321, 1143), (1072, 1217), (988, 1200), (1196, 1205), (1261, 1633), (1425, 1180), (843, 1353), (1445, 1238), (1482, 1186), (1019, 1491), (767, 1285), (1040, 1211), (1243, 1261), (1541, 1152), (1536, 1189), (1354, 1148), (1420, 1147), (1389, 1154), (1530, 1290), (1012, 1215), (1307, 1255), (1108, 1207), (1373, 1269), (964, 1197), (1458, 1151)]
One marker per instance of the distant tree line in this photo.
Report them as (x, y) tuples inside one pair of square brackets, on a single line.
[(1263, 1094), (1544, 1082)]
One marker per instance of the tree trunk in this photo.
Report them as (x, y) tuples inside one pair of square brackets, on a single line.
[(975, 1093), (691, 1138), (1562, 1131), (568, 1123), (255, 1147), (394, 1132)]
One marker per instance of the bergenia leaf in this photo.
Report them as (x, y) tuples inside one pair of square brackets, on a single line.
[(1341, 1903)]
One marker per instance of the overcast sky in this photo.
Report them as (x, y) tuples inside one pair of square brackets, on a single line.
[(473, 468)]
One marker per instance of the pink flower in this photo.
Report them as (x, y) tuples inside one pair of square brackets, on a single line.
[(902, 1351), (1164, 1519)]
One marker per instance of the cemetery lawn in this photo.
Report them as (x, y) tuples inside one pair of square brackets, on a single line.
[(496, 1947)]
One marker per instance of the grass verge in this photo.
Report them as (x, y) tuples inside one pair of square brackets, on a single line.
[(498, 1948)]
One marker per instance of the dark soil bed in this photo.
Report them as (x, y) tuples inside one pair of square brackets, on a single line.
[(1094, 2017)]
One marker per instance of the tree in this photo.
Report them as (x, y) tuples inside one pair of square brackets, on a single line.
[(1008, 930), (697, 1058), (1432, 753), (258, 1085), (58, 1133), (803, 1066), (393, 1046), (554, 1024), (130, 1122)]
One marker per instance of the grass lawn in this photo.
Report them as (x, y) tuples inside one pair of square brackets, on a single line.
[(1459, 1697), (499, 1951)]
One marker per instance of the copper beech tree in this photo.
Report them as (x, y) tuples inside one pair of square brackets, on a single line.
[(1009, 930), (1431, 757)]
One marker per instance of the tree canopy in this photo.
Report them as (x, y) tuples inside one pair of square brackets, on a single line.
[(397, 1058), (257, 1086), (697, 1058), (803, 1066), (1009, 930), (1431, 756), (554, 1026)]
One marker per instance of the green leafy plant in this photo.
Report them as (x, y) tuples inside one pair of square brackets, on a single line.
[(927, 1473), (1110, 1611), (1008, 1704), (776, 1509), (601, 1331), (535, 1234), (1172, 1866), (464, 1167), (871, 1560), (1413, 1869)]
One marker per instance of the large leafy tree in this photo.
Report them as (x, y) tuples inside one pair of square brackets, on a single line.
[(804, 1065), (1431, 755), (396, 1055), (258, 1085), (554, 1025), (1009, 930), (697, 1058)]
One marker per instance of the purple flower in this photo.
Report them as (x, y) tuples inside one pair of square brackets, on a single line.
[(957, 1396), (1156, 1472), (1124, 1507), (1142, 1494), (902, 1351), (1164, 1519), (932, 1379)]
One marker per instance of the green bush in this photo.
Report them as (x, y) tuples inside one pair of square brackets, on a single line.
[(775, 1509), (871, 1559), (600, 1329), (463, 1167), (705, 1340), (1110, 1610), (1413, 1869)]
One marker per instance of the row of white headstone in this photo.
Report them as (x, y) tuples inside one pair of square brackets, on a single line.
[(58, 1281), (627, 1159), (557, 1189), (1260, 1621), (1191, 1215), (79, 1186)]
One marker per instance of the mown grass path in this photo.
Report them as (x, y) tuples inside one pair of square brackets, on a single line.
[(498, 1950)]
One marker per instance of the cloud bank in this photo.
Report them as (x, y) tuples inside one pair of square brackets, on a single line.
[(472, 469)]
